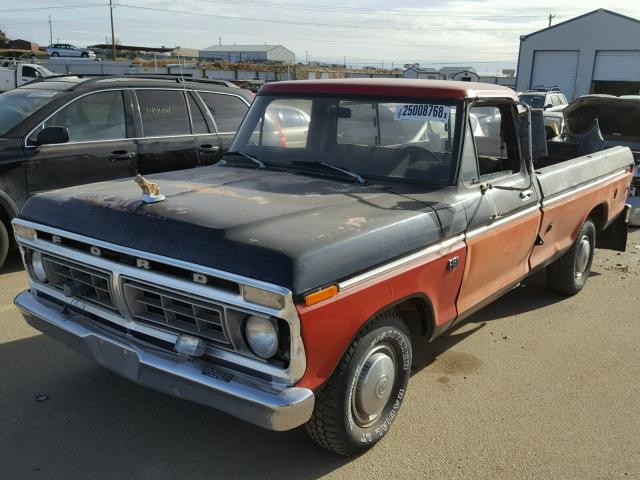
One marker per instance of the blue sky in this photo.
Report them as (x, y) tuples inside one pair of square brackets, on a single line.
[(480, 33)]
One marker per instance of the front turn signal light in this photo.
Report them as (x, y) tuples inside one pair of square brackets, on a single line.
[(320, 295)]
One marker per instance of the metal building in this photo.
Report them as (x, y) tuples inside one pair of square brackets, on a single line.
[(598, 52), (414, 71), (249, 53)]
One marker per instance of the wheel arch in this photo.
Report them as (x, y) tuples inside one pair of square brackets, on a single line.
[(599, 215), (416, 310)]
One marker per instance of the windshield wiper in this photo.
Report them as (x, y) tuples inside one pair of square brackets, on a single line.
[(252, 158), (349, 173)]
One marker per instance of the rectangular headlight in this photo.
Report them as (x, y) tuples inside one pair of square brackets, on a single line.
[(21, 231), (262, 297)]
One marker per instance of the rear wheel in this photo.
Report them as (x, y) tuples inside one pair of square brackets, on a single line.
[(569, 273), (362, 398), (84, 54), (4, 243)]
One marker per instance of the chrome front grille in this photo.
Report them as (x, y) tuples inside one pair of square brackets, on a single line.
[(175, 310), (94, 284)]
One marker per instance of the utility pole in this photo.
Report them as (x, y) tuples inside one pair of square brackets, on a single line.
[(50, 31), (306, 52), (113, 35), (551, 17)]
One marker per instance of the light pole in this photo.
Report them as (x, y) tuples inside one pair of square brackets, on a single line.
[(113, 35)]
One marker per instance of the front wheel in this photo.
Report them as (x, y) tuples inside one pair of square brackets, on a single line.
[(358, 404), (569, 273), (84, 55), (4, 243), (55, 54)]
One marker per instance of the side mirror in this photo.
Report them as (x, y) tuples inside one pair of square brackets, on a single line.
[(548, 105), (52, 135)]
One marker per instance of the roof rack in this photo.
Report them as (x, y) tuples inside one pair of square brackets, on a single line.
[(544, 89)]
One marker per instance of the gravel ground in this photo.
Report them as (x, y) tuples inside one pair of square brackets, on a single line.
[(535, 386)]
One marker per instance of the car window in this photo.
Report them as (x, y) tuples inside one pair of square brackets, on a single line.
[(98, 116), (496, 155), (197, 117), (18, 104), (227, 110), (29, 72), (555, 101), (164, 113)]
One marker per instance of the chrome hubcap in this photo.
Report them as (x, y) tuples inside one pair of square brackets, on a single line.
[(582, 259), (375, 380)]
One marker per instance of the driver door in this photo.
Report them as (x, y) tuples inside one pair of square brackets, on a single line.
[(99, 146)]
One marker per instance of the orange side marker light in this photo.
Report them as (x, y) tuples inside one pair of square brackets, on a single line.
[(320, 295)]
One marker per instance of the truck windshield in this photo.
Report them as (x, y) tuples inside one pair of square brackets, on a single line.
[(412, 140), (17, 105)]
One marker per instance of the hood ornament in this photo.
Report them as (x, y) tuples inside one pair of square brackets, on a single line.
[(150, 191)]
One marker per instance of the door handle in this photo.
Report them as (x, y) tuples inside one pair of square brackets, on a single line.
[(208, 148), (526, 195), (121, 156)]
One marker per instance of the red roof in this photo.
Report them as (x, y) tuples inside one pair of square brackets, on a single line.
[(391, 87)]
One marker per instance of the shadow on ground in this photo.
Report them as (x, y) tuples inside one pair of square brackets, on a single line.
[(12, 264), (95, 424)]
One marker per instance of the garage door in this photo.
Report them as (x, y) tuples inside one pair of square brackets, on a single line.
[(616, 65), (555, 68)]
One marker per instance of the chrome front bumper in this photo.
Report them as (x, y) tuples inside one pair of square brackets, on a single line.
[(236, 394)]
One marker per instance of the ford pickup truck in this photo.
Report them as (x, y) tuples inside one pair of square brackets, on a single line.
[(297, 282)]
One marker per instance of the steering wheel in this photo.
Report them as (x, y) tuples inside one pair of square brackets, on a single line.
[(414, 152)]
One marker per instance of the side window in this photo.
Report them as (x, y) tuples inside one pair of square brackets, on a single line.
[(227, 110), (99, 116), (197, 117), (29, 72), (555, 101), (164, 113), (494, 134)]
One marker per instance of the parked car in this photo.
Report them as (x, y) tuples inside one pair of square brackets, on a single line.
[(71, 130), (292, 284), (619, 123), (546, 99), (66, 50), (14, 74)]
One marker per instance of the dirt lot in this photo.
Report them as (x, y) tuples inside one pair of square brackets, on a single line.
[(535, 386)]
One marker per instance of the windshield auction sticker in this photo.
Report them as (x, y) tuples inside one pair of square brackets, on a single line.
[(422, 112)]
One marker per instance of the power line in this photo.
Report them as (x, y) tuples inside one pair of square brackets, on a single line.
[(60, 7), (314, 24), (386, 12)]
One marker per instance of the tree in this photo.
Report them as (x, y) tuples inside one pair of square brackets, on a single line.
[(4, 41)]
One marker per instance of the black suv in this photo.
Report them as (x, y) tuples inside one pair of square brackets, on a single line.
[(72, 130)]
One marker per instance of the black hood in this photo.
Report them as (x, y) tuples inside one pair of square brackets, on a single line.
[(618, 117), (294, 230)]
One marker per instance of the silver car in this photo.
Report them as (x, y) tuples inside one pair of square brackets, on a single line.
[(66, 50)]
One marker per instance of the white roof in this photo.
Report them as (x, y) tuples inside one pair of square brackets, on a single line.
[(240, 48)]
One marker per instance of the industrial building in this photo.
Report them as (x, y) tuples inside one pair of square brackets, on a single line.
[(249, 53), (414, 71), (466, 74), (598, 52)]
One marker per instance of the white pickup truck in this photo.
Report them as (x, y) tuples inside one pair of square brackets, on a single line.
[(14, 74)]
